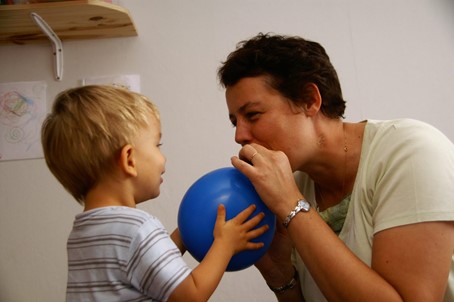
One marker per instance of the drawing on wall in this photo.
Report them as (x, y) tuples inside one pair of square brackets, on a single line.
[(22, 111), (128, 81)]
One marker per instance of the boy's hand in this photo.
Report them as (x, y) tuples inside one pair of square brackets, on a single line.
[(230, 237), (236, 234)]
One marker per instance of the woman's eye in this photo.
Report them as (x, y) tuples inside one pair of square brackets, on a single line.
[(252, 115)]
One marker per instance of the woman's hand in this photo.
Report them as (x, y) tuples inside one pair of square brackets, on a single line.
[(271, 174)]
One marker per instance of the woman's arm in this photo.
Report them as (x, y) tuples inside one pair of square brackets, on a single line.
[(277, 268), (409, 263), (403, 258), (415, 259)]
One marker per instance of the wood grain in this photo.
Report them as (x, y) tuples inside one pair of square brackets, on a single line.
[(70, 20)]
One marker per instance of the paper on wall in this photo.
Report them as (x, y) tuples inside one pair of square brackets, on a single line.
[(22, 111), (128, 81)]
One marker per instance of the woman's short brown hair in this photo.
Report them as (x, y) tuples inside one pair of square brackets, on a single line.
[(289, 64)]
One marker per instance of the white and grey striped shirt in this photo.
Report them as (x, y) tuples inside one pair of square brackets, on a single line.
[(122, 254)]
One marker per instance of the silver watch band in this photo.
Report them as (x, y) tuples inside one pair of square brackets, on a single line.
[(301, 205)]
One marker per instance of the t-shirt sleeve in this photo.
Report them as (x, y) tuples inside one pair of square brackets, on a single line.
[(156, 266), (414, 176)]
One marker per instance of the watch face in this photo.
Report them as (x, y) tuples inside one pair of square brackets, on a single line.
[(304, 205)]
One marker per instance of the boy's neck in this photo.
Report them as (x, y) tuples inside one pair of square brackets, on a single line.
[(105, 195)]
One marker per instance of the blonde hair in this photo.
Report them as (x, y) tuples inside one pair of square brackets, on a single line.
[(88, 126)]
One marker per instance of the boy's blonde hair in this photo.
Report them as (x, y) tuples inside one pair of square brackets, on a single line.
[(83, 135)]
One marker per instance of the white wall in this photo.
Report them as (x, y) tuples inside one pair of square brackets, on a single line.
[(394, 59)]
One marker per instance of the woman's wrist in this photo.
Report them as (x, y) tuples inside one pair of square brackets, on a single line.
[(288, 285), (279, 276), (286, 206)]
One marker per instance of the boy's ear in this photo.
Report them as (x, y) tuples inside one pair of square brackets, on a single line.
[(128, 161), (314, 103)]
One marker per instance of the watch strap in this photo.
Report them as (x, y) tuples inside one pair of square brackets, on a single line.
[(301, 205)]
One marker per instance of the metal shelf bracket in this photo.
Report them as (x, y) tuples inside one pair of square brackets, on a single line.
[(57, 46)]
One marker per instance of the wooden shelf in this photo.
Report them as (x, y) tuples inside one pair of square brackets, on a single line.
[(70, 20)]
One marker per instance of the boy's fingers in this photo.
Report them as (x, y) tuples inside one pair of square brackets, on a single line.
[(258, 231), (254, 220), (254, 245), (220, 214), (243, 215)]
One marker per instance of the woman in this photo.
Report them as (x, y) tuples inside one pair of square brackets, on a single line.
[(366, 209)]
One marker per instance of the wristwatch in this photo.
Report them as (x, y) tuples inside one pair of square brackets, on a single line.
[(301, 206)]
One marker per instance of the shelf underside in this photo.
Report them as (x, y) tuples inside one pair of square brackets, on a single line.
[(70, 20)]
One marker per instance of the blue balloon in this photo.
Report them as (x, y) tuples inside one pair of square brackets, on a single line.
[(198, 211)]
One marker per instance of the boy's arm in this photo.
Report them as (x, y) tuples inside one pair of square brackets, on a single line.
[(230, 237), (176, 238)]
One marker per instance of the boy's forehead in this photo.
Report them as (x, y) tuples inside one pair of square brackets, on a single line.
[(155, 123)]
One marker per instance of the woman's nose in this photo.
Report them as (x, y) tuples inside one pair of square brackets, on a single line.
[(242, 134)]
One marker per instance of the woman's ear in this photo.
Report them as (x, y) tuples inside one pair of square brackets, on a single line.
[(128, 161), (313, 101)]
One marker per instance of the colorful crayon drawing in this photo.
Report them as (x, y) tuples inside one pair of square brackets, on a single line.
[(22, 110)]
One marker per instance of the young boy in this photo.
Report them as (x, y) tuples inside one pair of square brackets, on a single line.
[(102, 144)]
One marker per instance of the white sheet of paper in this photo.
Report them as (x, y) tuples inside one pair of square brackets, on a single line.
[(128, 81)]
